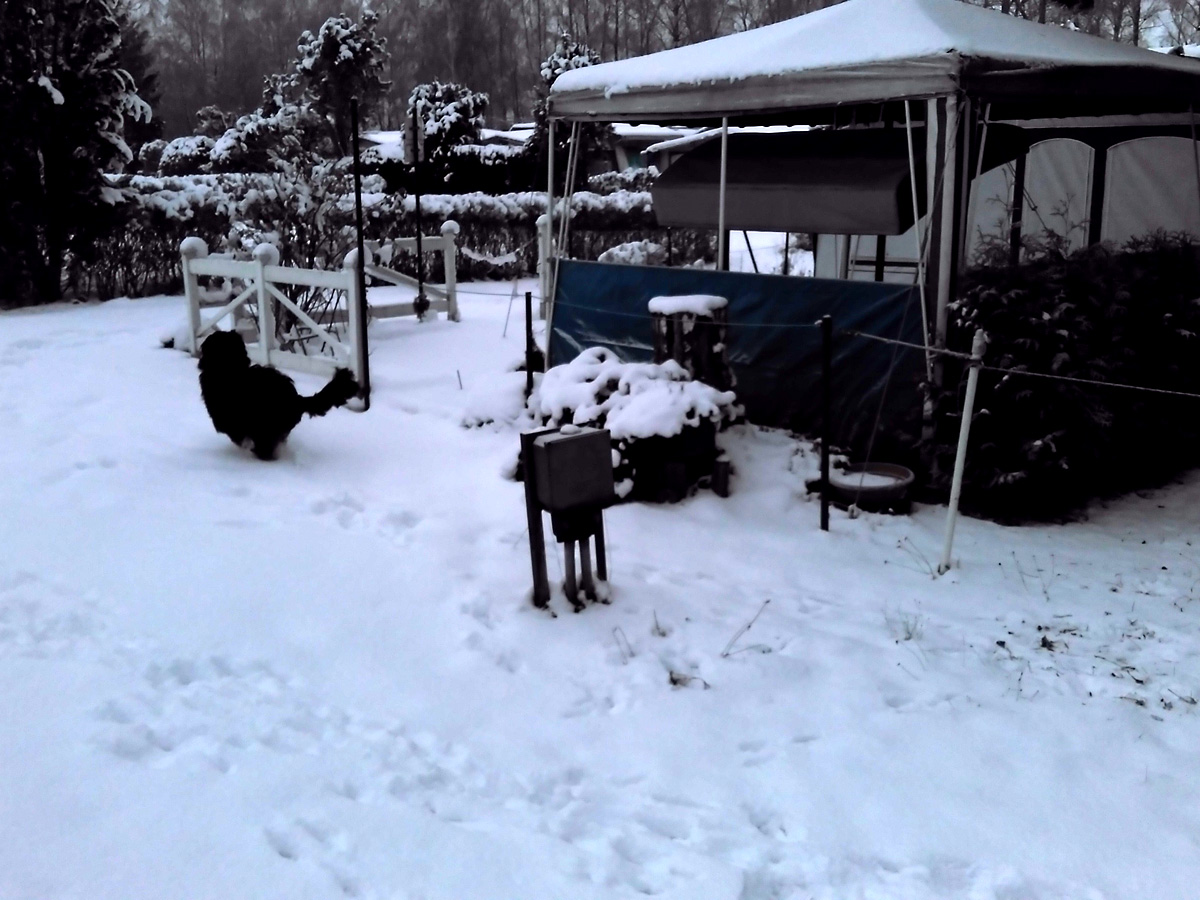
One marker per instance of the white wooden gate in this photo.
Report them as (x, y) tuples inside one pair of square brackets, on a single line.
[(261, 277), (442, 297)]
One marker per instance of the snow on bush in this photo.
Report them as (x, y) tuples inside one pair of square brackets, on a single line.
[(636, 253), (626, 180), (631, 400), (186, 155), (450, 114), (657, 415)]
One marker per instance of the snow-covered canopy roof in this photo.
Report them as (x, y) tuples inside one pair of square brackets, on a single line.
[(872, 51)]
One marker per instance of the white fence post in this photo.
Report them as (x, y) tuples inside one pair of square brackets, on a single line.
[(354, 321), (450, 261), (192, 248), (964, 434), (543, 263), (265, 255)]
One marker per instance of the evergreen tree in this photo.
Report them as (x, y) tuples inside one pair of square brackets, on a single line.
[(451, 114), (64, 99), (568, 54), (343, 60), (137, 59)]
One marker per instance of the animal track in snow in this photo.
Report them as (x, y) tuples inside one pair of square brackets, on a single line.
[(345, 508)]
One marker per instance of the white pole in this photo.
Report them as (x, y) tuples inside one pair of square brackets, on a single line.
[(191, 290), (266, 317), (721, 195), (960, 459), (354, 316), (545, 241), (450, 265)]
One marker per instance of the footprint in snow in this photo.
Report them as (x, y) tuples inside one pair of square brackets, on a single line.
[(345, 508)]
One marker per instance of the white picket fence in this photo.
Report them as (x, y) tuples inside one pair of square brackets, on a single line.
[(262, 277), (442, 297)]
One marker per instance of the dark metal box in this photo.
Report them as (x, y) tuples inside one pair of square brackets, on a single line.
[(573, 470)]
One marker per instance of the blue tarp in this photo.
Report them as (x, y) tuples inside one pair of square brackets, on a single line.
[(774, 344)]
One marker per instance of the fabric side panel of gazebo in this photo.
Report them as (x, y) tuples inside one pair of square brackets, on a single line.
[(859, 197), (773, 342)]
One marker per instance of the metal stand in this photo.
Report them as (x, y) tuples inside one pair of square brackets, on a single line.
[(360, 336), (533, 510), (826, 431), (574, 524)]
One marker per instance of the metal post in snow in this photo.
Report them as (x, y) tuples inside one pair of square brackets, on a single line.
[(421, 304), (960, 459), (528, 343), (722, 237), (533, 513), (360, 338), (826, 404)]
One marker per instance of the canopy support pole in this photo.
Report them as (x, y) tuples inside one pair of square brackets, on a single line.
[(565, 222), (722, 259), (1195, 146), (973, 202), (551, 254), (921, 236), (947, 242)]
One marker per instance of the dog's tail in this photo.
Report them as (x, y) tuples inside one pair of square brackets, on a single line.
[(339, 390)]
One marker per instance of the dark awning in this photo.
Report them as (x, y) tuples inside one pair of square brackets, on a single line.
[(828, 182)]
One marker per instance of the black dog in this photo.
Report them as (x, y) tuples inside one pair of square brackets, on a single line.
[(256, 406)]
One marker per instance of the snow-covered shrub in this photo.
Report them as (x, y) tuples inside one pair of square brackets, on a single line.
[(64, 102), (258, 142), (450, 113), (657, 416), (186, 155), (635, 253), (626, 180), (594, 138), (1043, 449), (211, 121), (150, 156), (343, 60)]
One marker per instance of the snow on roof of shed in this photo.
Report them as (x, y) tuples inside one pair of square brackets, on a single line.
[(865, 51)]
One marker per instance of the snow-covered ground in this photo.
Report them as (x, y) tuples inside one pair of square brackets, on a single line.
[(321, 677)]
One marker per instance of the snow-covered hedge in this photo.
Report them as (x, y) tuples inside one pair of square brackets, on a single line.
[(635, 253), (627, 180), (312, 217)]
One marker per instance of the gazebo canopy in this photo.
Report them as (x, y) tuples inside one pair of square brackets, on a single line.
[(875, 51)]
